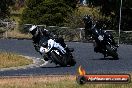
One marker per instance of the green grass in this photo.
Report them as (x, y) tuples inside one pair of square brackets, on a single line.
[(13, 60)]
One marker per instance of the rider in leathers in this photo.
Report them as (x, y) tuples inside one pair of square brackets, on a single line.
[(40, 38), (90, 27)]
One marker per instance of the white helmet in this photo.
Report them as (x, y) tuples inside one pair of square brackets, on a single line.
[(33, 30)]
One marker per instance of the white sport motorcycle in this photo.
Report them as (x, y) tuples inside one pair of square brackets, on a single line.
[(58, 54)]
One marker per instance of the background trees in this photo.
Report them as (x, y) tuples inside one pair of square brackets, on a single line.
[(52, 12), (49, 12), (61, 12), (4, 7), (111, 8)]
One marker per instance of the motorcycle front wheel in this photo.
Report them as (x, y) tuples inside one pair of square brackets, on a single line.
[(112, 53), (58, 59), (71, 61)]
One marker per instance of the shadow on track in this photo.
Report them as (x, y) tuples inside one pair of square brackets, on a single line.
[(105, 59), (55, 67)]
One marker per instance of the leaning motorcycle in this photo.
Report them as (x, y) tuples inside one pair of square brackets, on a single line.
[(104, 43), (58, 54)]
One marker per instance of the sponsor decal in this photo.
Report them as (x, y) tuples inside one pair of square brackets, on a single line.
[(83, 78)]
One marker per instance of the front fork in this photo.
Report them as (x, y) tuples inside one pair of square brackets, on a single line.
[(96, 49)]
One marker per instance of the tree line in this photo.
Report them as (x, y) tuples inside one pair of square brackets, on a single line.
[(56, 12)]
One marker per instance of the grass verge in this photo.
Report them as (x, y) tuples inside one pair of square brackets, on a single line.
[(18, 35), (13, 60), (52, 82)]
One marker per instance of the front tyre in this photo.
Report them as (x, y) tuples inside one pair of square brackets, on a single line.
[(58, 59), (72, 62), (112, 53), (68, 60)]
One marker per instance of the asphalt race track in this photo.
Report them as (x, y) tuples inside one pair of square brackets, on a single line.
[(92, 62)]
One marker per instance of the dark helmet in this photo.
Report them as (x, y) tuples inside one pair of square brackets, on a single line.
[(88, 21), (33, 30)]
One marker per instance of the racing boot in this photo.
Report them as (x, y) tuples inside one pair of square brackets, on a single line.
[(96, 49), (69, 49), (105, 55), (47, 58)]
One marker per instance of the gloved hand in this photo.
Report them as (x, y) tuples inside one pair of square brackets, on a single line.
[(37, 47)]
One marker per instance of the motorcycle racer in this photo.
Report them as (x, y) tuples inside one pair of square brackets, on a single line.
[(101, 37), (40, 38), (90, 27)]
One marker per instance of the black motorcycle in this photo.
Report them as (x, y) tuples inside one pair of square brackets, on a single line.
[(57, 53), (104, 42)]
